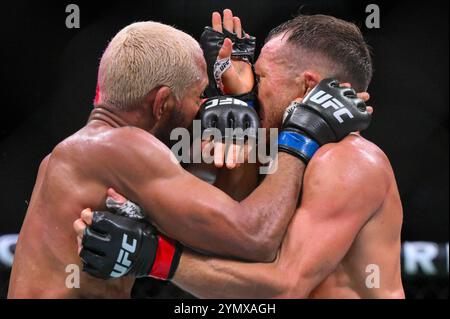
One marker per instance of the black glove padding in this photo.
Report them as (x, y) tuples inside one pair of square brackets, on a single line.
[(233, 118), (211, 42), (115, 246), (327, 114)]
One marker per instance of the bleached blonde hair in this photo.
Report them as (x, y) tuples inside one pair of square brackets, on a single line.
[(143, 56)]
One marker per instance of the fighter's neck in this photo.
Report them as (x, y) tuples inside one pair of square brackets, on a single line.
[(102, 114)]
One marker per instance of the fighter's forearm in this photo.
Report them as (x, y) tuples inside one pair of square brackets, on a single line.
[(213, 222), (267, 211), (207, 277), (239, 182)]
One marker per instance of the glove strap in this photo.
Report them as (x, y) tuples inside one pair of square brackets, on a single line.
[(167, 258), (220, 67), (297, 144)]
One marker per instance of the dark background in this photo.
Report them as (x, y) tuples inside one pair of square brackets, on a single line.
[(48, 77)]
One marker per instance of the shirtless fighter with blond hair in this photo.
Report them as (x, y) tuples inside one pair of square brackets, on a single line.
[(348, 224), (150, 81)]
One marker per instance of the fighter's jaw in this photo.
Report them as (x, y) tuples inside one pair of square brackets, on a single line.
[(267, 120), (261, 114)]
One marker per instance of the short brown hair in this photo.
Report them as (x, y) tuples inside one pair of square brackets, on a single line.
[(339, 41)]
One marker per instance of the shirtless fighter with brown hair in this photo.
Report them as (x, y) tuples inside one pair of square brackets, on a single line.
[(150, 81), (344, 239)]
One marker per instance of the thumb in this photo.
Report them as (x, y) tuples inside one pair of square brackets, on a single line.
[(227, 48), (115, 201), (115, 196), (120, 205)]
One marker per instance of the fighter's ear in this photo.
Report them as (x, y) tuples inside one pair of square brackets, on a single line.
[(309, 80), (163, 97)]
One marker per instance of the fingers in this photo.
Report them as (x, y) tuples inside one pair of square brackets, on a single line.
[(230, 23), (364, 96), (205, 143), (231, 79), (226, 155), (208, 150), (92, 260), (116, 196), (232, 156), (369, 109), (79, 226), (86, 216), (237, 26), (226, 49), (219, 154), (217, 21), (79, 244), (228, 20)]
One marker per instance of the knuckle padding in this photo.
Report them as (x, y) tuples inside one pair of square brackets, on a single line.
[(349, 92), (229, 116), (94, 265), (90, 258), (93, 240), (312, 122), (99, 221)]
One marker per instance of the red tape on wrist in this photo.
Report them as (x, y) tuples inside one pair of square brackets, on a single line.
[(164, 257)]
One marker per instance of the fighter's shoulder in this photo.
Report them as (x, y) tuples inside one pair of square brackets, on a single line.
[(352, 172), (115, 143), (130, 136), (355, 153)]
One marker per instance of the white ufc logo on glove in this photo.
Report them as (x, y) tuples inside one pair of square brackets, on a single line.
[(326, 100), (123, 263), (224, 101)]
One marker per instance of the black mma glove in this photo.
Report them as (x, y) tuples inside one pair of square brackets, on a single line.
[(226, 114), (326, 115), (116, 246), (243, 49), (211, 41)]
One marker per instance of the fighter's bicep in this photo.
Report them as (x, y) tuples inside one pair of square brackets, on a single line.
[(329, 219), (40, 176), (42, 169), (195, 213), (133, 160), (182, 206), (183, 197), (316, 245), (336, 203)]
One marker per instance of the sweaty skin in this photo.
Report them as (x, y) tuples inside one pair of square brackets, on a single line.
[(349, 221), (109, 153), (344, 239), (346, 231)]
